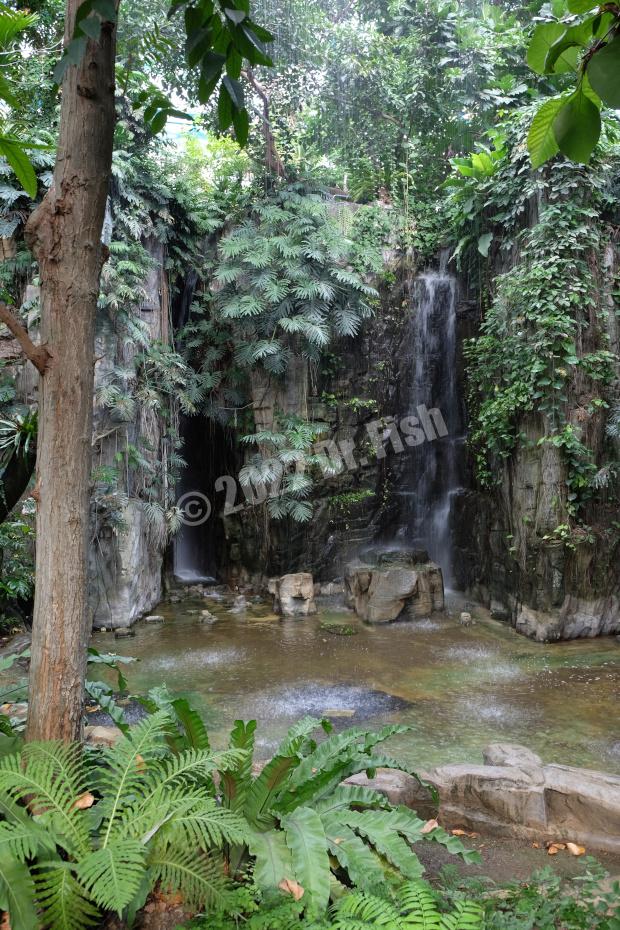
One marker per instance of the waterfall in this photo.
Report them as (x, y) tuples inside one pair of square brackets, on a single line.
[(434, 472)]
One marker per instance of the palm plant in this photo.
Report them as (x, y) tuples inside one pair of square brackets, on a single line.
[(79, 840), (281, 473), (283, 283)]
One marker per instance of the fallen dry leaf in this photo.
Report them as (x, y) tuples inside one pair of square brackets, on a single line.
[(536, 845), (464, 833), (575, 850), (140, 763), (290, 886), (554, 848), (429, 826), (84, 801)]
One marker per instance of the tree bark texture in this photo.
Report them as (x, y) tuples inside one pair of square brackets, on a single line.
[(65, 236)]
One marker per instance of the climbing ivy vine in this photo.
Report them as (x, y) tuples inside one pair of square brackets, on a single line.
[(543, 347)]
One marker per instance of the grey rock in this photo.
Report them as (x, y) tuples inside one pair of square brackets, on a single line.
[(510, 754), (399, 788), (101, 735), (124, 632), (381, 595), (293, 595), (517, 795), (207, 617), (465, 619), (499, 611), (154, 618)]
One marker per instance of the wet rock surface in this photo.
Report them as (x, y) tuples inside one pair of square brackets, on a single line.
[(394, 589), (518, 795), (293, 595)]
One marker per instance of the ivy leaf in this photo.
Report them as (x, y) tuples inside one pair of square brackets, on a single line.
[(73, 55), (541, 141), (91, 27), (604, 73), (577, 128), (20, 163)]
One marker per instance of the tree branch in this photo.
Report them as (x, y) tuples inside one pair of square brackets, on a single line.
[(272, 158), (38, 355)]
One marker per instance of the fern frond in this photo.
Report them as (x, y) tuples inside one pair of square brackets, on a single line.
[(112, 875), (51, 775), (377, 828), (305, 838), (197, 876), (62, 899)]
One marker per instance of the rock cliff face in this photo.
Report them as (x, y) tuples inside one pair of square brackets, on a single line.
[(126, 558), (547, 589)]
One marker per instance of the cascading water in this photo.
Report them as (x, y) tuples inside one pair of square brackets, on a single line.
[(434, 474)]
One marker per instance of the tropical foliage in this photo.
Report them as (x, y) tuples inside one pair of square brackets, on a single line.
[(581, 40)]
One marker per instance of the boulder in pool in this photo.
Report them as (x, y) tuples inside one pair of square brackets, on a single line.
[(407, 590), (293, 595)]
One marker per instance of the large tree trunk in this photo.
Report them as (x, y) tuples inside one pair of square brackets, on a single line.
[(65, 235)]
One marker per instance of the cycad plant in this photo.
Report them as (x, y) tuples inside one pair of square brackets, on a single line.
[(309, 829), (78, 840)]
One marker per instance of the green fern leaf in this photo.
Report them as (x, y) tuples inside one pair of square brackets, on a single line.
[(306, 840), (112, 875), (273, 858), (62, 899), (51, 775), (197, 876), (378, 829), (359, 860)]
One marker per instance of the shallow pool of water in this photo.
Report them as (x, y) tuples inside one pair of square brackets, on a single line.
[(459, 688)]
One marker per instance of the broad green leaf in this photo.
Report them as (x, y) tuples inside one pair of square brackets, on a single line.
[(235, 91), (541, 141), (273, 858), (484, 242), (581, 6), (545, 35), (20, 163), (17, 885), (91, 27), (224, 108), (241, 122), (305, 837), (72, 56), (563, 54), (577, 128), (604, 73)]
